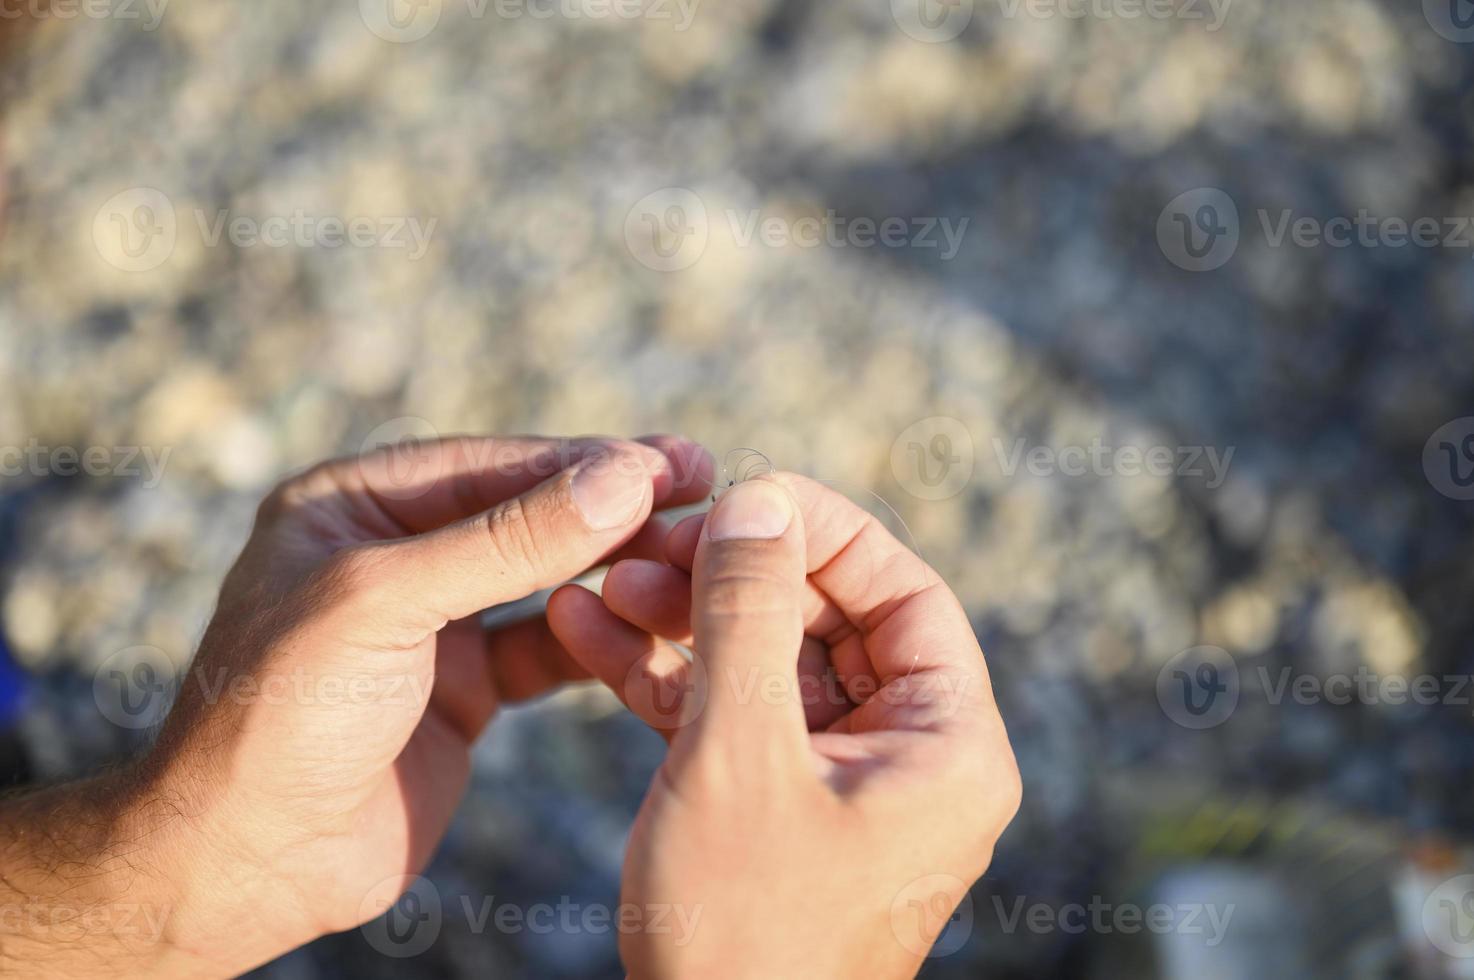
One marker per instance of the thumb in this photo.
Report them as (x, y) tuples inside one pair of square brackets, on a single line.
[(747, 625), (406, 589)]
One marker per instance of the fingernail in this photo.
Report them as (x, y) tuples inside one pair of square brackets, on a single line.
[(610, 492), (756, 509)]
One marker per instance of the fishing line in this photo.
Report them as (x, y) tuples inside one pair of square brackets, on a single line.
[(738, 466)]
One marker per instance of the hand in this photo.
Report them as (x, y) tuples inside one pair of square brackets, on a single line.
[(798, 834), (321, 740)]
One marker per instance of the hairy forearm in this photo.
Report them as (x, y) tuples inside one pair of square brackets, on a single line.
[(82, 885)]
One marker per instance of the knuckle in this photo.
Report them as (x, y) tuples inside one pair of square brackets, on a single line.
[(290, 492), (994, 782), (354, 571), (1010, 790), (735, 593), (272, 506), (509, 528)]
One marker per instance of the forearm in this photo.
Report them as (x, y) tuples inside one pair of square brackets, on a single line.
[(82, 885)]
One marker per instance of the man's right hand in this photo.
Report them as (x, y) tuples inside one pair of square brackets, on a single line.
[(832, 838)]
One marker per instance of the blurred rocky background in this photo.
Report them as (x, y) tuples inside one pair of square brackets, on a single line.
[(976, 257)]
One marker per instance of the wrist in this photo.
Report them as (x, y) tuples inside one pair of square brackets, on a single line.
[(111, 875), (79, 885)]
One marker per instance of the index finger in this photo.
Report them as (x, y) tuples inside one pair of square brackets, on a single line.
[(881, 593)]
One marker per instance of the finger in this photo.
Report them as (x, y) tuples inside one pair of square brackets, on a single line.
[(824, 698), (680, 545), (822, 618), (747, 626), (656, 599), (648, 544), (402, 590), (413, 487), (867, 576), (692, 468), (476, 672), (900, 617), (650, 676), (652, 596)]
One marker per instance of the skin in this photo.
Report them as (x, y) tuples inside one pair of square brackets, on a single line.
[(795, 832), (816, 835), (274, 820)]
